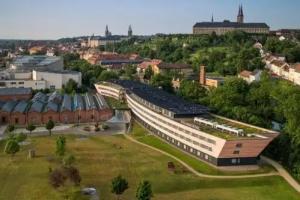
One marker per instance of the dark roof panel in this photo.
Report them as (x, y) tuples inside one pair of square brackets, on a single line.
[(66, 103), (21, 107), (162, 99), (9, 106), (228, 24)]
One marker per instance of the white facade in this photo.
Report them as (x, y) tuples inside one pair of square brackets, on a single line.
[(56, 80), (34, 84)]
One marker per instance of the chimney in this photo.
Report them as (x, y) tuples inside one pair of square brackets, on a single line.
[(202, 77)]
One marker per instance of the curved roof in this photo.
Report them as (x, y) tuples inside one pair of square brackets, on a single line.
[(9, 106), (66, 103), (51, 106), (89, 102), (37, 106), (55, 97), (40, 97), (21, 107), (78, 102)]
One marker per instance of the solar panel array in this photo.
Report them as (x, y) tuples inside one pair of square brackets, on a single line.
[(162, 99)]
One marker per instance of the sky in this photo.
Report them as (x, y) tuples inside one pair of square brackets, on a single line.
[(53, 19)]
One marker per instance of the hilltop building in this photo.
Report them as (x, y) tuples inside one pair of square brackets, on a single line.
[(226, 26), (99, 41)]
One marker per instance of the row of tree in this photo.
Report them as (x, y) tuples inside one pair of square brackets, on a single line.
[(260, 103)]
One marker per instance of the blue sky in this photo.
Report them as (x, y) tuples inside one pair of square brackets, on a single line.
[(52, 19)]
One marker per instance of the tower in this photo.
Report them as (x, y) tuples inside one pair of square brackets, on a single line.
[(202, 75), (107, 33), (130, 32), (212, 18), (240, 17)]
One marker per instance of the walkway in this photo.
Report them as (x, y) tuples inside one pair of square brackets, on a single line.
[(281, 171), (198, 173)]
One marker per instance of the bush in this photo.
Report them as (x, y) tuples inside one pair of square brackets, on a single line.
[(105, 126), (68, 160), (10, 128), (21, 137), (57, 178)]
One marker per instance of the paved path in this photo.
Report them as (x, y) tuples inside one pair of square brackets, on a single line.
[(2, 130), (282, 172), (198, 173)]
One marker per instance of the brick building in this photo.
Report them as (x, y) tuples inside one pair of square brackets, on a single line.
[(61, 109)]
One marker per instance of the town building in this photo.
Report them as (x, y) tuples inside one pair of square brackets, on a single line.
[(108, 39), (37, 72), (56, 107), (221, 28), (160, 67), (209, 81), (249, 76), (190, 127)]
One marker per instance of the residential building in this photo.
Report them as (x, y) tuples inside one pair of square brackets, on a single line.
[(249, 76), (221, 28)]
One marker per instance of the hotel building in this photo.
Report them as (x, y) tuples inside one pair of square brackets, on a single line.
[(190, 127)]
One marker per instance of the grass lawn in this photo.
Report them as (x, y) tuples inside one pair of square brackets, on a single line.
[(139, 133), (101, 158), (115, 104)]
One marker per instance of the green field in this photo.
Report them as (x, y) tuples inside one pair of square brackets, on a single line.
[(101, 158)]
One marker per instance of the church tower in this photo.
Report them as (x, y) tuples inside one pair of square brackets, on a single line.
[(240, 17), (107, 32), (130, 32)]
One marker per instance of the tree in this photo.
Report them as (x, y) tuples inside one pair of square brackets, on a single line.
[(119, 185), (107, 75), (73, 174), (57, 178), (68, 160), (60, 146), (30, 127), (70, 86), (162, 81), (10, 128), (12, 147), (49, 126), (21, 137), (144, 191), (192, 91), (148, 73)]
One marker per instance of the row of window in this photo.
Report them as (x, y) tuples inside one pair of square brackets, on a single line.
[(179, 144), (168, 130), (190, 133)]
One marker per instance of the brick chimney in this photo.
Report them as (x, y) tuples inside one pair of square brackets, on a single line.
[(202, 76)]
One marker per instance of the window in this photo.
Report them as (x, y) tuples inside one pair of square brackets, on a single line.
[(239, 145), (233, 161), (13, 83), (16, 120), (21, 83), (52, 87), (236, 152)]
